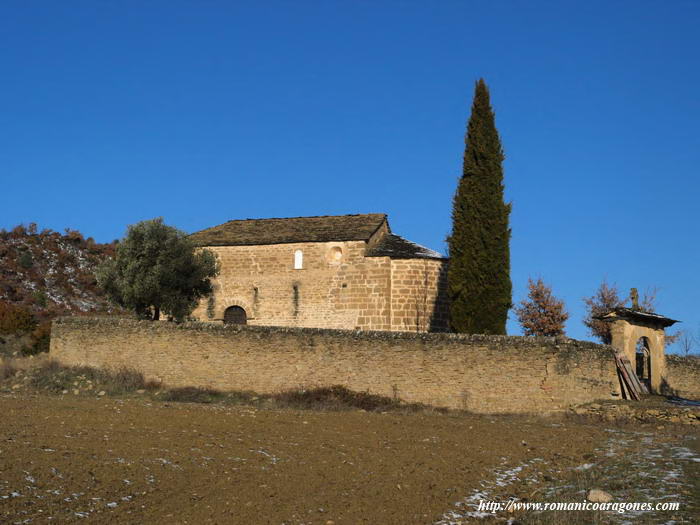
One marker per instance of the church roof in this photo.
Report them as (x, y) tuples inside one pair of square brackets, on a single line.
[(295, 229), (399, 248)]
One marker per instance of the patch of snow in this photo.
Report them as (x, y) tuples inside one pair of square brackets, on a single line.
[(469, 506), (684, 453), (273, 459)]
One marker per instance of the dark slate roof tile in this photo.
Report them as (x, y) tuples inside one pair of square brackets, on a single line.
[(290, 230), (636, 315), (399, 248)]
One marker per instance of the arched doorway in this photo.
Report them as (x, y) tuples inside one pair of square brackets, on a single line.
[(627, 328), (643, 361), (235, 315)]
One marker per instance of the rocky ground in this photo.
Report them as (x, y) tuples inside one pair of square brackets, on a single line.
[(73, 457), (650, 410)]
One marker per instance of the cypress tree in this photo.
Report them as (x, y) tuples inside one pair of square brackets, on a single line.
[(479, 283)]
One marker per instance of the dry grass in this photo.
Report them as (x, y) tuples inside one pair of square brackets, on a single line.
[(338, 397), (7, 369), (333, 398), (631, 475), (54, 377), (191, 394)]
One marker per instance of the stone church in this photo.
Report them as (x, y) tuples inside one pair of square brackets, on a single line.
[(346, 272)]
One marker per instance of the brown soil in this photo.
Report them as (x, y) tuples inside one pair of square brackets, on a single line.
[(63, 459)]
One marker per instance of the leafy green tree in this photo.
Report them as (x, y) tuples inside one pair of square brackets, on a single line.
[(157, 268), (479, 284)]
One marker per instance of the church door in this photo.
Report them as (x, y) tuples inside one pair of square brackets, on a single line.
[(235, 315)]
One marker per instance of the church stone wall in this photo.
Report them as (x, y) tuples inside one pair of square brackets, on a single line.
[(337, 287), (329, 291), (419, 295)]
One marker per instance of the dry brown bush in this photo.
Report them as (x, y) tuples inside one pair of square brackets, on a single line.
[(541, 313)]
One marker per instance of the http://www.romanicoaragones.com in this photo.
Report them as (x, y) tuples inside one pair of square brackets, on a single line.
[(620, 507)]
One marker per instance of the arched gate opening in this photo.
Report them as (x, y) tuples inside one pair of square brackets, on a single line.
[(235, 315)]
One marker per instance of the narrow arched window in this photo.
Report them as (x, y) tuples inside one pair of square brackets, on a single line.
[(298, 260)]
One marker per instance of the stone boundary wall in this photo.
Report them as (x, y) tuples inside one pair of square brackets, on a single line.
[(486, 374), (683, 375)]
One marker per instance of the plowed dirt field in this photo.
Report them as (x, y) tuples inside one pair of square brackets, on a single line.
[(103, 460)]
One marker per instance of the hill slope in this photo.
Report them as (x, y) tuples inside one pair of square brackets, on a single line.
[(42, 275), (51, 273)]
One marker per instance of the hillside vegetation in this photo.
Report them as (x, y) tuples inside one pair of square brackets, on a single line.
[(43, 275)]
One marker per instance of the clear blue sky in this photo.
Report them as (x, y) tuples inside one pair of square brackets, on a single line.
[(202, 112)]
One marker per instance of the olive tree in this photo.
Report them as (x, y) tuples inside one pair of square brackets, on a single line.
[(157, 268)]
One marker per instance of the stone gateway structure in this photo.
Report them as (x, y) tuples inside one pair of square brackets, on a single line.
[(641, 337), (343, 272)]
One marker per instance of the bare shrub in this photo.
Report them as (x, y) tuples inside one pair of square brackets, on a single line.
[(7, 369), (15, 319), (192, 394), (603, 301), (338, 397), (40, 339), (54, 377), (686, 342), (541, 313)]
